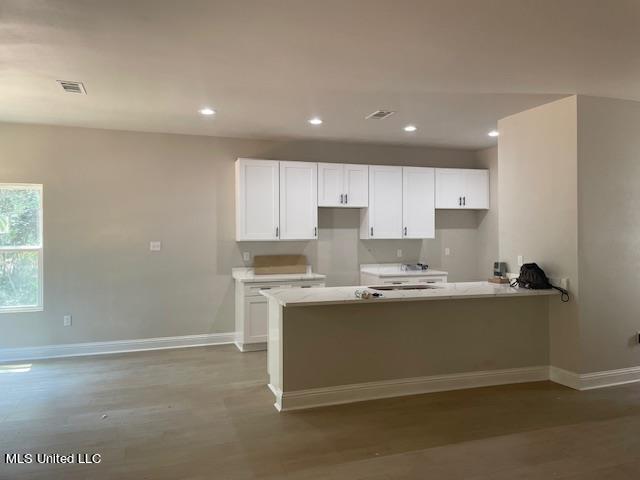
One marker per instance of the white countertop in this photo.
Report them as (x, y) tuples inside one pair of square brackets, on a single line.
[(395, 270), (247, 275), (441, 291)]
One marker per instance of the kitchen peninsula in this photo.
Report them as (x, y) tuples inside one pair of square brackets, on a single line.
[(328, 346)]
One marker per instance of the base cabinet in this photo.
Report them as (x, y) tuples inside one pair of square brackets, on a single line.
[(252, 311)]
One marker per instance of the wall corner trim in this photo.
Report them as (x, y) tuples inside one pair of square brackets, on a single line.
[(592, 380), (564, 377), (117, 346)]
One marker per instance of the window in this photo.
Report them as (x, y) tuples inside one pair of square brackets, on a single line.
[(20, 248)]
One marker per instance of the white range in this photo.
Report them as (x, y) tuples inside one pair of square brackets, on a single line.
[(397, 274)]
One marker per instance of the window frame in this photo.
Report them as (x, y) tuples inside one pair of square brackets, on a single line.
[(38, 249)]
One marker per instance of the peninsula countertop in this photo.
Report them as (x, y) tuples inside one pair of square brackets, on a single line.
[(440, 291)]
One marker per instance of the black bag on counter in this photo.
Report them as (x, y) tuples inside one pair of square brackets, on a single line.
[(533, 277)]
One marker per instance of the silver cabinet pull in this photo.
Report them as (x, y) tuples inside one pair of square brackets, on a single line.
[(460, 201), (342, 198), (315, 231), (464, 200), (405, 231), (372, 231), (346, 198), (277, 232)]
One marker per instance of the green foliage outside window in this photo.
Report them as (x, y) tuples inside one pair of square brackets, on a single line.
[(20, 218)]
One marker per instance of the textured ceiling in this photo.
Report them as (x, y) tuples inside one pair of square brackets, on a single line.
[(451, 67)]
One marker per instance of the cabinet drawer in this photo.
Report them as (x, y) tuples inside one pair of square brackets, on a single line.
[(413, 280), (254, 289), (434, 279)]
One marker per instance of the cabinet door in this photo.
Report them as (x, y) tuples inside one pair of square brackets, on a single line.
[(356, 185), (385, 202), (418, 202), (449, 187), (331, 185), (257, 199), (298, 200), (256, 311), (476, 192)]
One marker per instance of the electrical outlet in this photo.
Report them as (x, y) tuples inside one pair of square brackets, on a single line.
[(155, 246), (520, 260), (399, 253), (66, 320), (447, 251), (246, 256)]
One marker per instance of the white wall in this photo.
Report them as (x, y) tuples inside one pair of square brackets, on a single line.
[(609, 229), (108, 193), (488, 251), (538, 208)]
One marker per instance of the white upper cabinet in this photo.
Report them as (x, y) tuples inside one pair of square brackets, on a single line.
[(356, 185), (383, 218), (476, 189), (257, 199), (298, 201), (418, 202), (341, 185), (449, 187), (278, 200), (462, 188), (330, 184)]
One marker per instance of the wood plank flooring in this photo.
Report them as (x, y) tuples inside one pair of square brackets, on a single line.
[(206, 413)]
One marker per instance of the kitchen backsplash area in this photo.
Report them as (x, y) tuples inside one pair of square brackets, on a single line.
[(338, 252)]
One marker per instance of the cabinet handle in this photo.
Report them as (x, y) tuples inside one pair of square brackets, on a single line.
[(405, 231), (315, 231), (372, 231), (341, 198), (277, 232), (346, 198), (464, 200), (460, 201)]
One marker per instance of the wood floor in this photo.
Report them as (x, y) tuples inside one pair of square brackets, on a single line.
[(205, 413)]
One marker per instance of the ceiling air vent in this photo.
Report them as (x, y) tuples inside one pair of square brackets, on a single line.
[(72, 87), (380, 114)]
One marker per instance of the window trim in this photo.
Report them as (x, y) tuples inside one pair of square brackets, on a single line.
[(30, 248)]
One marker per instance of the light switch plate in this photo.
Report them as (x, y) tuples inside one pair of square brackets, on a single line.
[(246, 256), (155, 246), (66, 320), (520, 260), (447, 251), (399, 253)]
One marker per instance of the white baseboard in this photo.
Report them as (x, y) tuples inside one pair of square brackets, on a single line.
[(118, 346), (589, 381), (251, 347), (317, 397)]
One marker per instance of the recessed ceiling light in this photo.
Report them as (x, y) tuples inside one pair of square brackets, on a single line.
[(207, 111), (315, 121), (494, 133), (410, 128)]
